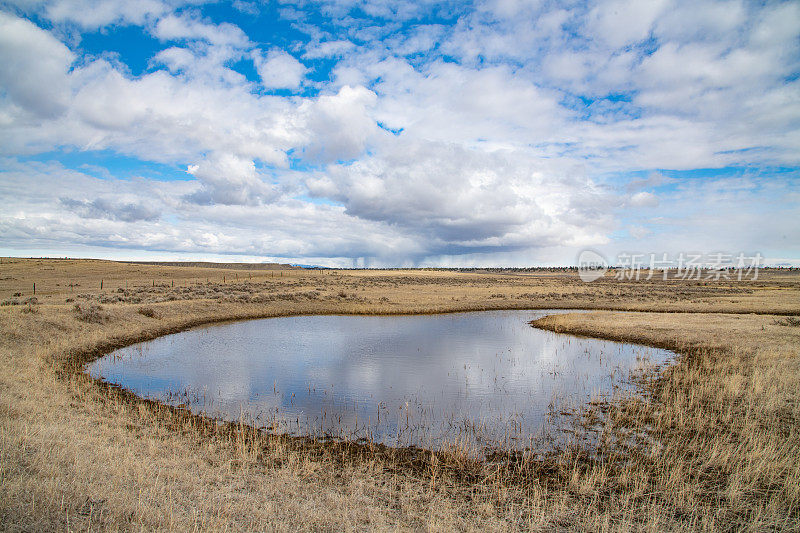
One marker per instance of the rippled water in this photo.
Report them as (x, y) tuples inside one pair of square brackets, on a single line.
[(482, 378)]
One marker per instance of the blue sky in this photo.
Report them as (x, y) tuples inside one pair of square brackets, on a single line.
[(346, 132)]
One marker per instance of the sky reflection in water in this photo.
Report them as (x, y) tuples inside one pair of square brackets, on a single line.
[(483, 378)]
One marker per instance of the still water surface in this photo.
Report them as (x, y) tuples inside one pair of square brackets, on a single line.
[(481, 379)]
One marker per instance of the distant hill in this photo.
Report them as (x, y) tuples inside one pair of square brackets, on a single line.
[(310, 267), (230, 266)]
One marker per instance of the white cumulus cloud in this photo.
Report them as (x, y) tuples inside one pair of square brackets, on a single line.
[(279, 70)]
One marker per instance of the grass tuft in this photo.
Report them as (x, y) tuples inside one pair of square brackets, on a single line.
[(91, 313)]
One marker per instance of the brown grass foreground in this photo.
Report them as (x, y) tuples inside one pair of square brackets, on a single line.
[(723, 451)]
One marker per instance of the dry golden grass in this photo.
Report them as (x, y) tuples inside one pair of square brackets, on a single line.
[(722, 425), (725, 421)]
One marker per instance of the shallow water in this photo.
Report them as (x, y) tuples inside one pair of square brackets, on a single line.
[(480, 379)]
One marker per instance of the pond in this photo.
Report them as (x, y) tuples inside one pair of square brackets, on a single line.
[(477, 379)]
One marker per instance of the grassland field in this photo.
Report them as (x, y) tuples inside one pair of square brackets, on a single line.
[(722, 451)]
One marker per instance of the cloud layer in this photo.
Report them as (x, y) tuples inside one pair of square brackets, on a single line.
[(400, 133)]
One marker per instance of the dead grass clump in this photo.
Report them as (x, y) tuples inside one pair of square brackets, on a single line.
[(149, 312), (792, 321), (109, 299), (91, 313)]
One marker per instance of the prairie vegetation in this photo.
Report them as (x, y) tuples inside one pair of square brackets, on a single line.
[(713, 444)]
